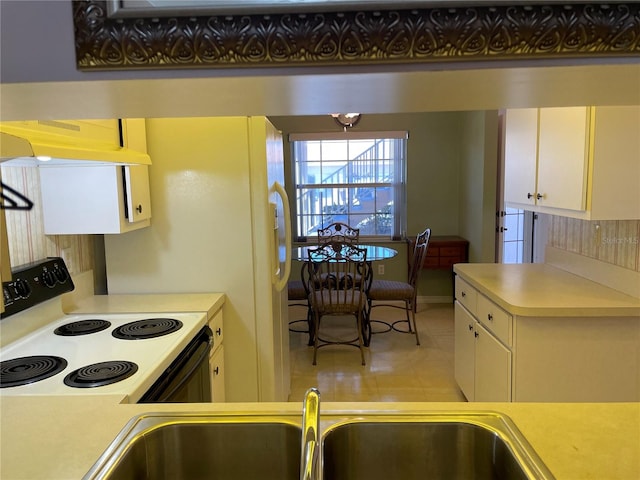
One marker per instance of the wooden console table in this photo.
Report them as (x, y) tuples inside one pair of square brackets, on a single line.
[(444, 251)]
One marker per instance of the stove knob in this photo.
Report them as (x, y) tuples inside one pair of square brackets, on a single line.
[(49, 278), (22, 288), (60, 273)]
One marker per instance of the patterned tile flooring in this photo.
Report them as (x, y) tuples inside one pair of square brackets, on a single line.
[(396, 368)]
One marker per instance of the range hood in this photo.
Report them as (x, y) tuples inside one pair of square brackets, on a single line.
[(20, 146)]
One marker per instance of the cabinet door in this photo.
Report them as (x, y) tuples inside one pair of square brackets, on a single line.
[(563, 154), (493, 368), (215, 324), (216, 365), (137, 194), (464, 354), (521, 137)]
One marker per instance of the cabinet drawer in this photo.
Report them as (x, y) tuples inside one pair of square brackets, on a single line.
[(215, 323), (450, 251), (449, 261), (433, 251), (494, 318), (466, 295), (432, 262)]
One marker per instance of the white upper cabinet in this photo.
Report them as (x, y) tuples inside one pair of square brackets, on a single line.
[(98, 197), (95, 199), (563, 157), (521, 156), (581, 162)]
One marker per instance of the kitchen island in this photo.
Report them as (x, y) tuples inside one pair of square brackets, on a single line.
[(537, 333)]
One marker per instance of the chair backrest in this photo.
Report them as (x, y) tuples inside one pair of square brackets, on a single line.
[(419, 252), (338, 232), (337, 284)]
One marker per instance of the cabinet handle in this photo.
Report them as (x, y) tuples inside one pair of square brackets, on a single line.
[(476, 334), (529, 195), (539, 196), (215, 370), (464, 294), (139, 208), (470, 327), (218, 331), (490, 317)]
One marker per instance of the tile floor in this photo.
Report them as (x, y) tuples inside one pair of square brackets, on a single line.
[(396, 368)]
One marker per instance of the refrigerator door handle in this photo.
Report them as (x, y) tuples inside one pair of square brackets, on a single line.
[(280, 282)]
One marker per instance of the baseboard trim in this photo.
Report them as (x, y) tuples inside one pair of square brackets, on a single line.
[(435, 299)]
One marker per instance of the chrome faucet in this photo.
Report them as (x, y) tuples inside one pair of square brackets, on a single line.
[(310, 435)]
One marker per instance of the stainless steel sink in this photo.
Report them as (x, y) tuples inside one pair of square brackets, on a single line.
[(373, 446), (442, 446), (202, 446)]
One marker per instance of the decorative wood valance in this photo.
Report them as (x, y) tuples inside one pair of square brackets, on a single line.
[(462, 34)]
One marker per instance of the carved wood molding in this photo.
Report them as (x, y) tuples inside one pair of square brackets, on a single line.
[(432, 35)]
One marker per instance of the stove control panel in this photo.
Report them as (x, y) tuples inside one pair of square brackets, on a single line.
[(35, 283)]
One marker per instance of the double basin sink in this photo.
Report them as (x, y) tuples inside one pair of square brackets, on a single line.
[(456, 445)]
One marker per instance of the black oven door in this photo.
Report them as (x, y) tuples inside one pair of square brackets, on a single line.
[(187, 380)]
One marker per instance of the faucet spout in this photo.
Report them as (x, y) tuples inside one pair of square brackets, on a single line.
[(310, 434)]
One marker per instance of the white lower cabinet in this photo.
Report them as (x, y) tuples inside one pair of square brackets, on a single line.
[(216, 358), (216, 365), (493, 368), (465, 351), (482, 362), (503, 356)]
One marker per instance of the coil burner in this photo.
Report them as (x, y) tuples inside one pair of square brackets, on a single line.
[(82, 327), (100, 374), (148, 328), (24, 370)]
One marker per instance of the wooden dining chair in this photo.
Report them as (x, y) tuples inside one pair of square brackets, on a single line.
[(336, 289), (385, 291), (298, 292)]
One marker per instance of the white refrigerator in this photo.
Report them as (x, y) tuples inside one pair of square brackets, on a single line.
[(220, 223)]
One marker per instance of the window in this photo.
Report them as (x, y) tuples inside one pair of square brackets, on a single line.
[(353, 177), (518, 232)]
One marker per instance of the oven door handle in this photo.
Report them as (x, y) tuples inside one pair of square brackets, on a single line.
[(186, 377)]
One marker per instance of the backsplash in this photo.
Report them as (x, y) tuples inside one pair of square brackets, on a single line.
[(25, 229), (611, 241)]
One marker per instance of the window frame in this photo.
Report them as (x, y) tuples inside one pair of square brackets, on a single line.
[(398, 185)]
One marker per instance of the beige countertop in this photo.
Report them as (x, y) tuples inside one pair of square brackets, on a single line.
[(61, 438), (542, 290), (44, 437), (180, 302)]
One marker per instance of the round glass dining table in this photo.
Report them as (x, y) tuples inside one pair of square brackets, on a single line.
[(374, 252)]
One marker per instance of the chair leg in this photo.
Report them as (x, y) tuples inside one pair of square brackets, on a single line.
[(311, 324), (360, 339), (366, 324), (315, 340), (412, 308)]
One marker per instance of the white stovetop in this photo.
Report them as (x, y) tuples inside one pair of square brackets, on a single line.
[(152, 355)]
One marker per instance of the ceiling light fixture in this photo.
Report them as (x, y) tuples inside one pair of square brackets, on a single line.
[(346, 120)]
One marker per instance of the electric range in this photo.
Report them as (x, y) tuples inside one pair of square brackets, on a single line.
[(90, 354)]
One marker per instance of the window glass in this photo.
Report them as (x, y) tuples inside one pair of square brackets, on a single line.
[(358, 181)]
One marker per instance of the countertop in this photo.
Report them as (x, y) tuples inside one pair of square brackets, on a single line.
[(61, 438), (44, 437), (180, 302), (542, 290)]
